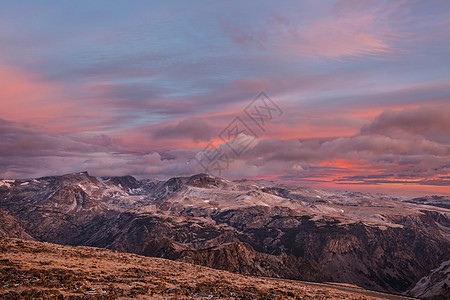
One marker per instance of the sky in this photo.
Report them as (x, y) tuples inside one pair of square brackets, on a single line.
[(356, 92)]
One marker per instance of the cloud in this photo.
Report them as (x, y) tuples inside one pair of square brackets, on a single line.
[(23, 95), (427, 120), (381, 144), (192, 128), (252, 84), (28, 152), (384, 152), (131, 95), (21, 140), (352, 29), (375, 157), (108, 95)]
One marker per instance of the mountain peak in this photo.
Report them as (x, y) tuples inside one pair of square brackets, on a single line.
[(124, 181), (205, 180), (77, 174)]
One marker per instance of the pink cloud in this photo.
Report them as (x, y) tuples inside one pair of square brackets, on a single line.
[(424, 120), (24, 97), (194, 128), (253, 84), (350, 29), (361, 30)]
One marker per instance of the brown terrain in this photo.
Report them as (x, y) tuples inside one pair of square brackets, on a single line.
[(30, 270)]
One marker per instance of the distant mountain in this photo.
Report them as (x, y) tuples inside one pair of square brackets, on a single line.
[(438, 201), (251, 227)]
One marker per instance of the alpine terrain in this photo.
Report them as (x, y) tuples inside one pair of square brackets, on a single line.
[(374, 241)]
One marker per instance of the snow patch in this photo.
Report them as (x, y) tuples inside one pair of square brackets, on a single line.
[(72, 206), (6, 183)]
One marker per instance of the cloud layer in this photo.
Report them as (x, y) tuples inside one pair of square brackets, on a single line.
[(389, 150), (141, 89)]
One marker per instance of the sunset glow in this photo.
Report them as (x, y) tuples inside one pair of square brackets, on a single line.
[(119, 89)]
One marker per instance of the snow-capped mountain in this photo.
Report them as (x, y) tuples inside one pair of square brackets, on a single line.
[(252, 227)]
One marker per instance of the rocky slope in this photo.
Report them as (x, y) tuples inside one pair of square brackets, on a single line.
[(251, 227), (436, 285), (36, 270), (11, 227)]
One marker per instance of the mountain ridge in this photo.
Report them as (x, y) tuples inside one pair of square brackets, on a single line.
[(258, 228)]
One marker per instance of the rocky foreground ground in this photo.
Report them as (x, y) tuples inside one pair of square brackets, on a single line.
[(30, 270)]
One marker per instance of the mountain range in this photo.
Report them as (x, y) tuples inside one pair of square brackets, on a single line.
[(252, 227)]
